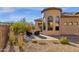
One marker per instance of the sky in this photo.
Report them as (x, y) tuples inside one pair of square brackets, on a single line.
[(12, 14)]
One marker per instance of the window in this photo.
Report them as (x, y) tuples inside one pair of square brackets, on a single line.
[(50, 23), (44, 26), (76, 23), (57, 19), (57, 23), (57, 28), (50, 19), (70, 23), (65, 23)]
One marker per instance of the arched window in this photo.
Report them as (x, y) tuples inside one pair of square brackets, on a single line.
[(57, 23), (44, 26), (57, 19), (75, 23), (50, 19), (70, 23), (65, 23), (50, 23)]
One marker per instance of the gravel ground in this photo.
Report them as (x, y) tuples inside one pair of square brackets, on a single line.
[(45, 46), (51, 46)]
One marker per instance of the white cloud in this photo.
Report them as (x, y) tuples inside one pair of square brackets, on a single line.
[(7, 10), (36, 8), (15, 17)]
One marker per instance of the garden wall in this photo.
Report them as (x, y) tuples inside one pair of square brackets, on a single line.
[(4, 29)]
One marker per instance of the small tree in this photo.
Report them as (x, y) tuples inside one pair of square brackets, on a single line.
[(19, 28), (29, 27), (23, 20)]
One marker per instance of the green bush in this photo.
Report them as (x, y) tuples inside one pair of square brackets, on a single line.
[(63, 40), (20, 27)]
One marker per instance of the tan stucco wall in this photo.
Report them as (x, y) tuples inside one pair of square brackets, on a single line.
[(4, 29), (63, 29), (37, 25), (51, 33), (52, 13), (69, 29)]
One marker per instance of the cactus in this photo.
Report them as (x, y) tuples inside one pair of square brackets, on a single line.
[(11, 40), (12, 37), (20, 40)]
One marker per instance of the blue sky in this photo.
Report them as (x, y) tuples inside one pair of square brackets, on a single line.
[(10, 14)]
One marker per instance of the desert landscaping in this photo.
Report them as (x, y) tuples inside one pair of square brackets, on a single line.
[(23, 38), (44, 44)]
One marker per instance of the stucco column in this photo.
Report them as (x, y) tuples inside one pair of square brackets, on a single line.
[(46, 25), (54, 23), (42, 26)]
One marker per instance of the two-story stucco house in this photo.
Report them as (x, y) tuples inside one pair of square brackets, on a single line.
[(56, 22)]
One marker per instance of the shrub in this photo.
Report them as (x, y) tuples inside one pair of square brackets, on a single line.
[(63, 40), (20, 27), (28, 27)]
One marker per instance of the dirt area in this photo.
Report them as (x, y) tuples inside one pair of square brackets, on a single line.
[(50, 46), (46, 46)]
